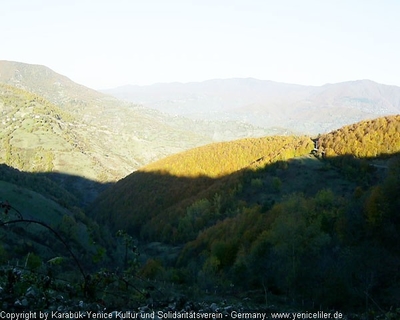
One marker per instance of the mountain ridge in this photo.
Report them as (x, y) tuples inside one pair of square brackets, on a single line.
[(303, 109)]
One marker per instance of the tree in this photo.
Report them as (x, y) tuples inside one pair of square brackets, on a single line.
[(295, 236)]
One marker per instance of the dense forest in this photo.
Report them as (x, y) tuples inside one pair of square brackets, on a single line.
[(365, 139), (266, 216)]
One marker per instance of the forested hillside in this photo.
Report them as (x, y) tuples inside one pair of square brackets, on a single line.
[(171, 184), (267, 217), (370, 138)]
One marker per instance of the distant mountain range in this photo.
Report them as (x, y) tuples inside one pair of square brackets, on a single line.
[(303, 109)]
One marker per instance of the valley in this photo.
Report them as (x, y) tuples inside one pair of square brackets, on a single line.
[(202, 196)]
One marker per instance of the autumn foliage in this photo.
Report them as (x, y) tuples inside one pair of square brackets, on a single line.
[(370, 138), (176, 182)]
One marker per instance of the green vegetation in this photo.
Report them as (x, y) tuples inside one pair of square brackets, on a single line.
[(266, 216), (37, 136), (53, 205)]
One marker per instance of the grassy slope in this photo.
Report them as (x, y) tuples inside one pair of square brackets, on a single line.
[(32, 205), (37, 136), (37, 197), (35, 238)]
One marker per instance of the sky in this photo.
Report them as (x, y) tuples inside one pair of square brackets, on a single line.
[(108, 43)]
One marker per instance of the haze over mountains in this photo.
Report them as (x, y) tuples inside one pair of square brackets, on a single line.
[(303, 109)]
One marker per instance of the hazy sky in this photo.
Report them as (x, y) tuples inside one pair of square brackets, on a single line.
[(107, 43)]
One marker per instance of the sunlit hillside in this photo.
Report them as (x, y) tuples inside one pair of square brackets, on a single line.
[(220, 159), (38, 136), (165, 187), (370, 138)]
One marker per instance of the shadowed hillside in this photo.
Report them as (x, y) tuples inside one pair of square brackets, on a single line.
[(41, 197), (288, 226), (298, 230), (52, 255)]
